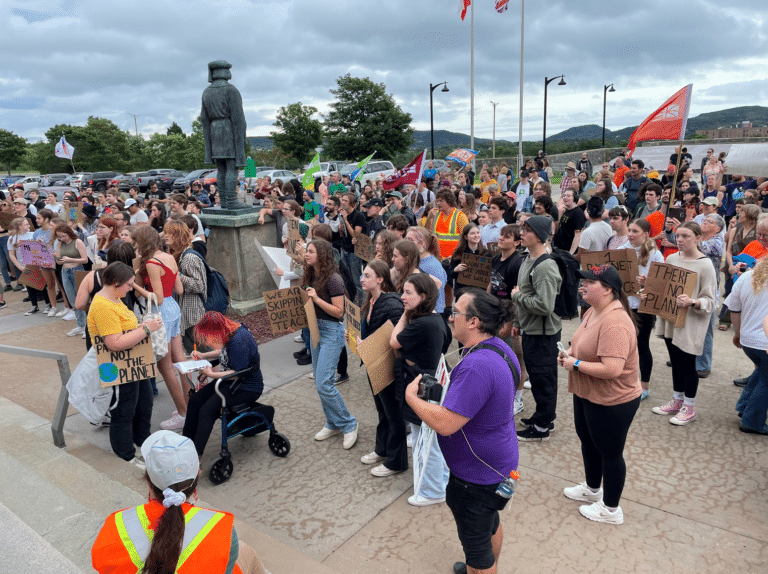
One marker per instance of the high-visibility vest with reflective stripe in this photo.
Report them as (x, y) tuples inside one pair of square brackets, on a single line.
[(447, 232), (126, 538)]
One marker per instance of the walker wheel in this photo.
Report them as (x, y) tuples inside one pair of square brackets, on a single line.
[(279, 444), (221, 471)]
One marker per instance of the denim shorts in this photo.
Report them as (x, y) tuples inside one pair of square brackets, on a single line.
[(475, 509), (171, 314)]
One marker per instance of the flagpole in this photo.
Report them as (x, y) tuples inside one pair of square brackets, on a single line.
[(674, 183), (472, 81), (520, 119)]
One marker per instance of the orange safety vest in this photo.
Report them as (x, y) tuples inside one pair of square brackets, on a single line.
[(126, 537), (448, 232)]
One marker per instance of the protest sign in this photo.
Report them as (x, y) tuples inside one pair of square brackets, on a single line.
[(285, 308), (353, 323), (378, 357), (478, 272), (493, 248), (275, 257), (5, 219), (364, 247), (79, 276), (37, 253), (314, 330), (625, 262), (665, 283), (32, 277), (118, 367), (294, 236), (73, 211)]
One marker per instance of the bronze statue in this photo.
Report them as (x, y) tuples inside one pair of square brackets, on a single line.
[(224, 132)]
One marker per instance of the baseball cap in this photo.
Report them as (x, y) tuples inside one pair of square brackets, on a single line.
[(129, 202), (605, 273), (171, 458), (20, 200), (375, 202), (711, 201), (396, 194)]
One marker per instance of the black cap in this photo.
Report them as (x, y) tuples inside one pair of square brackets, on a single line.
[(375, 202), (606, 273)]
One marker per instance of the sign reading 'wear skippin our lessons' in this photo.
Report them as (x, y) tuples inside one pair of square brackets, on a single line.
[(285, 308), (665, 283), (118, 367)]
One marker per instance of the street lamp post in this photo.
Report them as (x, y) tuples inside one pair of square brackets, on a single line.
[(494, 128), (546, 83), (431, 113), (606, 89)]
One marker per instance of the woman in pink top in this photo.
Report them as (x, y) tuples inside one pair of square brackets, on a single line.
[(604, 377)]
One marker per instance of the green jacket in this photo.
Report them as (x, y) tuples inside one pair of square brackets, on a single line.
[(535, 301)]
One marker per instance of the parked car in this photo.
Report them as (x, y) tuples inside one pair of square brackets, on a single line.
[(99, 180), (209, 178), (274, 174), (54, 178), (326, 168), (373, 170), (27, 183), (124, 182), (152, 174), (182, 182), (165, 181), (78, 179)]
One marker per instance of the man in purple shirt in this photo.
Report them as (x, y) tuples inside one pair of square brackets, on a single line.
[(476, 429)]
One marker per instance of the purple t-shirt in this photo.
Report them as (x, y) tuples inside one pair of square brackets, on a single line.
[(482, 389)]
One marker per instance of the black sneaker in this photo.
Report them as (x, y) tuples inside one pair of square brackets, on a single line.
[(300, 354), (529, 422), (3, 304), (341, 378), (745, 429), (19, 287), (741, 382), (7, 288), (32, 311), (305, 360), (459, 568), (26, 300), (532, 435)]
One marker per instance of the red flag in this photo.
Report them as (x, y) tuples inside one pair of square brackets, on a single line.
[(410, 174), (463, 8), (666, 123)]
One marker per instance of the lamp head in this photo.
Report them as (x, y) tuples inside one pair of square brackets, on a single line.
[(445, 87), (561, 82), (611, 90)]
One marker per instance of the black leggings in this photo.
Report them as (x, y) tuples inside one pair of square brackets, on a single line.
[(36, 295), (603, 432), (645, 323), (685, 378)]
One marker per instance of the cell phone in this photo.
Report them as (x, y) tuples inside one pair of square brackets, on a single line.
[(561, 349)]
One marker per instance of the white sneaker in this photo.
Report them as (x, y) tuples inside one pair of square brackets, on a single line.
[(63, 311), (48, 309), (372, 458), (76, 331), (52, 312), (350, 438), (83, 333), (599, 512), (583, 493), (326, 433), (418, 500), (519, 406), (409, 441), (298, 339), (527, 384), (69, 316), (139, 463), (176, 422)]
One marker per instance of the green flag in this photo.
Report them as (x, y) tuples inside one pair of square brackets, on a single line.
[(314, 166), (250, 168), (358, 174)]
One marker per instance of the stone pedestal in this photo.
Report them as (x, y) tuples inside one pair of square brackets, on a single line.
[(232, 251)]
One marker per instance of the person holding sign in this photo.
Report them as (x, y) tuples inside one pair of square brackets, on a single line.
[(602, 366), (470, 241), (639, 239), (687, 342), (476, 429), (44, 234), (71, 254), (111, 320), (325, 288), (20, 232), (382, 304)]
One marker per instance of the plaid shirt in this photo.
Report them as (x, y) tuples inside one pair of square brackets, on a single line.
[(195, 282)]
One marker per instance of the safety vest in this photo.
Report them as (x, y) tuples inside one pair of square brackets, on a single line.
[(447, 232), (126, 537)]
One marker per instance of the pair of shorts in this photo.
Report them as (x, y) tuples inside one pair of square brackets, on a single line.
[(475, 509), (171, 314)]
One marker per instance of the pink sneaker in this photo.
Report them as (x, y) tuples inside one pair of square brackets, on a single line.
[(686, 415), (176, 422), (670, 408)]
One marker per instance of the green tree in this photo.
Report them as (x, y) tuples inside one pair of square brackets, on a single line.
[(13, 148), (175, 129), (299, 134), (364, 119)]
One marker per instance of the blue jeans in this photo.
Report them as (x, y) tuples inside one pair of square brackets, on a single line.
[(5, 261), (325, 357), (436, 474), (753, 402), (68, 281), (704, 361)]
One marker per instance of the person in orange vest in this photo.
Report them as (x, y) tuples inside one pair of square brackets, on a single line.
[(448, 221), (169, 534)]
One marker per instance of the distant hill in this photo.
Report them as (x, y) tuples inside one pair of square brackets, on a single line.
[(421, 139), (261, 142)]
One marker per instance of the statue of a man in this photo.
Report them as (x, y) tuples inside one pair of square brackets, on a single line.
[(224, 131)]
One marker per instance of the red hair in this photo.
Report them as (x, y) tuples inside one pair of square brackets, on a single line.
[(215, 329), (110, 222)]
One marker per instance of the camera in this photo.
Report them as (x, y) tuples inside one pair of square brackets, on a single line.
[(429, 389)]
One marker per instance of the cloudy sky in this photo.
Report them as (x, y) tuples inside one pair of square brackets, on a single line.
[(65, 60)]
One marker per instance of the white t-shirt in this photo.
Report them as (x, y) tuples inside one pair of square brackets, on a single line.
[(55, 208), (595, 237), (13, 243), (753, 308), (139, 217)]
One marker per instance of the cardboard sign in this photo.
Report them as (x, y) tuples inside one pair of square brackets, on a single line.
[(79, 276), (273, 258), (493, 248), (353, 323), (314, 331), (478, 272), (33, 277), (379, 357), (37, 253), (625, 262), (285, 308), (294, 236), (364, 248), (5, 219), (665, 283), (118, 367), (678, 213), (73, 211)]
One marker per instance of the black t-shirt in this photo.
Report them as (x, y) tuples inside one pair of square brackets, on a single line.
[(571, 221), (356, 219), (335, 288), (504, 274), (423, 340), (336, 224), (154, 195)]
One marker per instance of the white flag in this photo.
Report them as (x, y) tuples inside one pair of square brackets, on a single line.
[(63, 149)]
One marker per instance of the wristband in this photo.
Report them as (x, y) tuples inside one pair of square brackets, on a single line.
[(576, 365), (146, 330)]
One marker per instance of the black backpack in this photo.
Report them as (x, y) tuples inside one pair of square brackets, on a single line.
[(565, 306), (218, 292)]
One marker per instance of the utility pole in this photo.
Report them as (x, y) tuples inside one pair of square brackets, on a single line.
[(494, 128), (135, 123)]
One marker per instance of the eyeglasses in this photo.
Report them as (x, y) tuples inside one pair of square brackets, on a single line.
[(454, 313)]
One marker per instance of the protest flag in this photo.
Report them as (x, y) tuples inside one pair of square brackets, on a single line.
[(357, 175), (461, 155), (410, 174), (668, 122), (463, 5), (501, 6), (308, 182), (63, 149)]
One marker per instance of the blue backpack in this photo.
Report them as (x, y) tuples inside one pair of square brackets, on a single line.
[(218, 292)]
